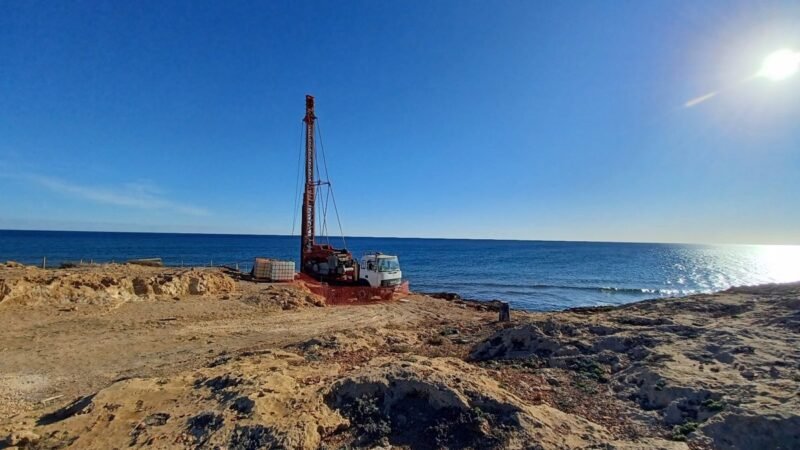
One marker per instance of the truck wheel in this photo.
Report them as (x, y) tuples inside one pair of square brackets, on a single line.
[(363, 282)]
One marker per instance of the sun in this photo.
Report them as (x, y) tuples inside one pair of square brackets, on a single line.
[(780, 64)]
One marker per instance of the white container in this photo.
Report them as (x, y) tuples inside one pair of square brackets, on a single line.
[(281, 270), (273, 270)]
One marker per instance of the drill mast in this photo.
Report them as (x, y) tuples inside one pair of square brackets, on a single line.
[(320, 261), (307, 236)]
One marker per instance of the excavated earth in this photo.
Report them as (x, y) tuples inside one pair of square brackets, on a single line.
[(119, 356)]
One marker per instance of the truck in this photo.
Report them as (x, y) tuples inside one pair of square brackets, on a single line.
[(379, 270)]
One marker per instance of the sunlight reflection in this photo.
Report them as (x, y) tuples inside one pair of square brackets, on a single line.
[(779, 263)]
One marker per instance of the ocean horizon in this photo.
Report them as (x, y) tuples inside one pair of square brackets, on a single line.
[(530, 274), (576, 241)]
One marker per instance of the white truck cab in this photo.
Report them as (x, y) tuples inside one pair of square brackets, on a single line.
[(380, 270)]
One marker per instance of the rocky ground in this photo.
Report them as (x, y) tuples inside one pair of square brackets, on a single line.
[(121, 356)]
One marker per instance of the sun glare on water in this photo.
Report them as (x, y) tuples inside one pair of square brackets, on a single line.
[(780, 64), (778, 263)]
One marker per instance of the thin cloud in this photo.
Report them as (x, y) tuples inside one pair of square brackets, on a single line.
[(131, 195), (712, 94), (701, 99)]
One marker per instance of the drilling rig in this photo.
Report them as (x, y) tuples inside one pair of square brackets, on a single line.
[(378, 274), (320, 261)]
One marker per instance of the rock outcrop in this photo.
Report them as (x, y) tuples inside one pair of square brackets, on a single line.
[(710, 367)]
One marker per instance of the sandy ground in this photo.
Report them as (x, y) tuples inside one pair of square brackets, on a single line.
[(68, 348), (123, 356)]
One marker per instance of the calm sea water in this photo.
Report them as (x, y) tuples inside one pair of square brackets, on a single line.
[(532, 275)]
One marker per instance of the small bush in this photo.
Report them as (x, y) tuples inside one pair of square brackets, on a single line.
[(590, 369), (679, 432), (713, 405), (585, 384)]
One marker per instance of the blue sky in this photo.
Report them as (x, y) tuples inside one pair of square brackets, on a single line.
[(526, 120)]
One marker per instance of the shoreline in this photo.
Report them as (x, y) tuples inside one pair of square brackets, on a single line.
[(535, 275), (447, 295)]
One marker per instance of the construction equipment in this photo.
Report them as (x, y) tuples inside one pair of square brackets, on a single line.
[(323, 262), (379, 270)]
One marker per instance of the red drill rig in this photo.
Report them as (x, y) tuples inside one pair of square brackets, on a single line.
[(320, 261), (343, 279)]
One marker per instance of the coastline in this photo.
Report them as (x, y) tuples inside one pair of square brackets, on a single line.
[(114, 355), (534, 275)]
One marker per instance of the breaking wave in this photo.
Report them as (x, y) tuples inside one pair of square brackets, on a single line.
[(519, 287)]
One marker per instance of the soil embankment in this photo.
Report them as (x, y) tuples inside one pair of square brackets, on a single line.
[(125, 356)]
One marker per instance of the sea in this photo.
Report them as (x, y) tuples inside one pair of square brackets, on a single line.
[(531, 275)]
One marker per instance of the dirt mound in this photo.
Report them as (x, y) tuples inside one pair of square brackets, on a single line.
[(275, 399), (444, 402), (107, 285), (268, 400), (281, 297), (191, 282)]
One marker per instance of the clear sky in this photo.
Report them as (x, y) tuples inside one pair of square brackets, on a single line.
[(528, 120)]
